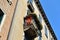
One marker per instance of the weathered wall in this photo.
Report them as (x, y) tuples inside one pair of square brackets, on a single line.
[(16, 32), (8, 12)]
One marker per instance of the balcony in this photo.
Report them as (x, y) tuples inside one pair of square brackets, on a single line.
[(30, 6), (31, 25)]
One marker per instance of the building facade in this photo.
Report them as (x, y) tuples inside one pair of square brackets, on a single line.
[(6, 14), (24, 20)]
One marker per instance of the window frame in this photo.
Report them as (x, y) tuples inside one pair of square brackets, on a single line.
[(3, 19)]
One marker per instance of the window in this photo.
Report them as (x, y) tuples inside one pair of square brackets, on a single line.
[(52, 38), (2, 18), (28, 12), (46, 31), (39, 35), (40, 18), (10, 2), (30, 6), (1, 15), (31, 1), (39, 38)]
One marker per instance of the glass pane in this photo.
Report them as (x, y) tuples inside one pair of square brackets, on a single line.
[(39, 37), (40, 18), (46, 32), (30, 1)]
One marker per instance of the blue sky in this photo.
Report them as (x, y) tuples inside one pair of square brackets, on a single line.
[(52, 10)]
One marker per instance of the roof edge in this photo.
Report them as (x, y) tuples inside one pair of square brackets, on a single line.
[(45, 18)]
